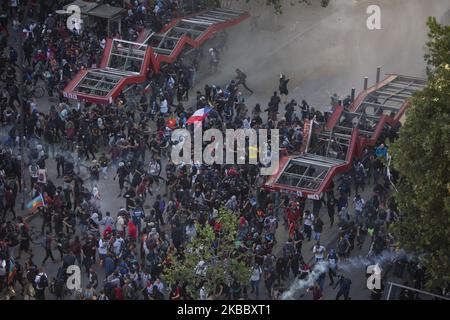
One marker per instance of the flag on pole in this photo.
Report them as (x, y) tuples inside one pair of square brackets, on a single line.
[(36, 203), (199, 115)]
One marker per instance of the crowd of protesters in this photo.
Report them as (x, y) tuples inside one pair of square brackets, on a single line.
[(163, 203)]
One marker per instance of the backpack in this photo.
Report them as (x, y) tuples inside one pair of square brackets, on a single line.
[(43, 281), (31, 274)]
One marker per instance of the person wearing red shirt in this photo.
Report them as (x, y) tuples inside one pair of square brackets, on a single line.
[(316, 291), (107, 232), (10, 201), (118, 295), (217, 227), (40, 56), (294, 213), (140, 190), (242, 222), (132, 231), (292, 229)]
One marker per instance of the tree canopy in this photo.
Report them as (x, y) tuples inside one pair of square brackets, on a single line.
[(422, 157), (213, 258)]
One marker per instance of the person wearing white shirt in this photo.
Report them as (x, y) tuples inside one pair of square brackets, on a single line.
[(102, 249), (158, 283), (118, 246), (41, 285), (255, 279), (120, 225), (94, 218), (202, 293), (308, 221), (319, 252), (2, 272), (164, 107), (170, 82), (246, 123), (190, 231), (107, 221), (359, 203)]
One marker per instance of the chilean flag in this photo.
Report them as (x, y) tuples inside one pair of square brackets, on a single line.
[(199, 115)]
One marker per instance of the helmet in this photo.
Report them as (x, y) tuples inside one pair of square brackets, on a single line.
[(211, 49), (121, 164)]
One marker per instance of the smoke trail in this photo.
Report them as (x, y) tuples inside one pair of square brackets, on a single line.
[(298, 284), (347, 265)]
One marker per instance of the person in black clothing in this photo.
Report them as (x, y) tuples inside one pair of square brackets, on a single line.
[(94, 170), (24, 242), (273, 106), (158, 206), (122, 173), (48, 248), (298, 240), (331, 207), (58, 222), (269, 280), (88, 250), (129, 196), (13, 56), (283, 86), (295, 263), (280, 267), (304, 109), (88, 146), (344, 287), (19, 276), (60, 240), (241, 78), (10, 200), (28, 51), (47, 220), (60, 165)]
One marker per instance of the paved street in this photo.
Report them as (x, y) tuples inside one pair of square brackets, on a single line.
[(326, 51)]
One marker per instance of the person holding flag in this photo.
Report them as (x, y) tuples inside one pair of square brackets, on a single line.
[(199, 115), (36, 203)]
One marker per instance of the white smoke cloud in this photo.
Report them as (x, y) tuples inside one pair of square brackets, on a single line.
[(319, 268)]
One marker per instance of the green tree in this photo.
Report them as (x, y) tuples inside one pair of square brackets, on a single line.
[(422, 157), (438, 45), (212, 258)]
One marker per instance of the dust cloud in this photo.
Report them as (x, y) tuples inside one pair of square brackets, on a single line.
[(327, 50)]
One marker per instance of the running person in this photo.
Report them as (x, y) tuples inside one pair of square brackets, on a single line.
[(241, 78), (283, 86)]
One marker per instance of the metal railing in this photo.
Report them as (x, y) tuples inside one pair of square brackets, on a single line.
[(429, 294)]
